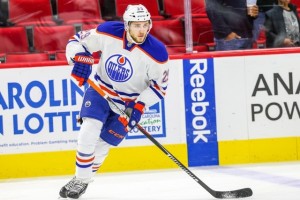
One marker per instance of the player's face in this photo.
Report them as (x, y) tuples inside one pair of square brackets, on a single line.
[(138, 30)]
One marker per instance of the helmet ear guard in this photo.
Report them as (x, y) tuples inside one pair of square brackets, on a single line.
[(136, 13)]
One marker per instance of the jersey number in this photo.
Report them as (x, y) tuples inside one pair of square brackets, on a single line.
[(84, 34), (165, 76)]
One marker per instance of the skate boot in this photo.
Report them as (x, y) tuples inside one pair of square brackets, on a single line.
[(64, 190), (77, 190)]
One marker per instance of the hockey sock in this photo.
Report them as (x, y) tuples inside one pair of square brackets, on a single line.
[(101, 152), (87, 140)]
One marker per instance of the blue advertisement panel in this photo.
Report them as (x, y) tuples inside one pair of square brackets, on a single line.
[(38, 110), (39, 113), (153, 121), (199, 92)]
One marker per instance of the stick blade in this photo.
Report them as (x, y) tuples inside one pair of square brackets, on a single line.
[(241, 193)]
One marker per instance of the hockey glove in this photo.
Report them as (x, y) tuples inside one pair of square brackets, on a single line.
[(134, 113), (82, 67)]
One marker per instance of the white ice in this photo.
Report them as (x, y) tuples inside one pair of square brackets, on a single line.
[(274, 181)]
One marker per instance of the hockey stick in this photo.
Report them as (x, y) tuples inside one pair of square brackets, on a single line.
[(240, 193)]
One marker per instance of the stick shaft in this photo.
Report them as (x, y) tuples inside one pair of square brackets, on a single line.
[(216, 194), (150, 137)]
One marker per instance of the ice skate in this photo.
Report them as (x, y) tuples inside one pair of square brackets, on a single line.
[(77, 189), (64, 190)]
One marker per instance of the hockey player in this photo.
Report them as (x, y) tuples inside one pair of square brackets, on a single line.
[(133, 71)]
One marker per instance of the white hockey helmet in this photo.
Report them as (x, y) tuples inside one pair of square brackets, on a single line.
[(136, 13)]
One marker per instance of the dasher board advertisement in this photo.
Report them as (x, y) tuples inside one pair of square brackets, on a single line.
[(200, 111), (39, 108)]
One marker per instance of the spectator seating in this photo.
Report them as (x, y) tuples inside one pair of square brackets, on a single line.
[(169, 31), (61, 55), (2, 58), (30, 12), (174, 10), (13, 39), (36, 30), (89, 26), (202, 32), (29, 57), (52, 38), (297, 3), (151, 5), (78, 11), (261, 40), (176, 49)]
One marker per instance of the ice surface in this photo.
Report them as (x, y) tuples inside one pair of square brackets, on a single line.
[(276, 181)]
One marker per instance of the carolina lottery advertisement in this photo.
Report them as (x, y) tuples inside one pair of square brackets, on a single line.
[(152, 121), (39, 108)]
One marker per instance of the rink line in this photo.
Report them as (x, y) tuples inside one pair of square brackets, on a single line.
[(63, 162), (259, 150)]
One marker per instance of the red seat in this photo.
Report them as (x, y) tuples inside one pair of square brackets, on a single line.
[(297, 3), (170, 32), (89, 26), (202, 32), (180, 49), (152, 7), (176, 49), (29, 57), (261, 40), (78, 11), (61, 55), (177, 9), (200, 48), (13, 39), (52, 38), (30, 12)]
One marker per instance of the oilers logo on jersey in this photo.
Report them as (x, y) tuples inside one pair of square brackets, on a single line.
[(87, 104), (118, 68)]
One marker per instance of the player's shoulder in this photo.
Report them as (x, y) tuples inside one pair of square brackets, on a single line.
[(155, 49), (114, 28)]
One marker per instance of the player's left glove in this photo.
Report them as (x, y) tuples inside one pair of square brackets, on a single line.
[(134, 112), (82, 67)]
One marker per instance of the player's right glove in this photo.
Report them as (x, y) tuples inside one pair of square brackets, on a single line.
[(134, 113), (82, 67)]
